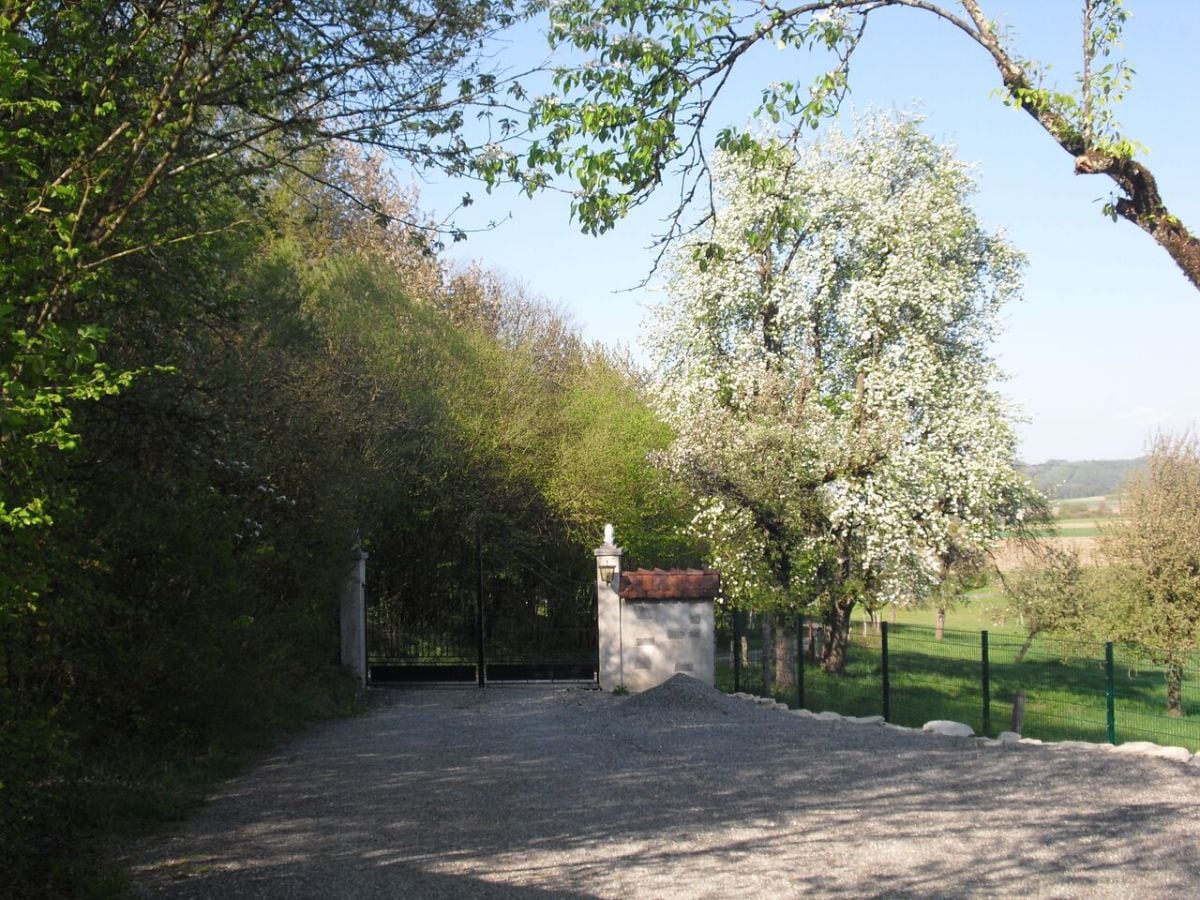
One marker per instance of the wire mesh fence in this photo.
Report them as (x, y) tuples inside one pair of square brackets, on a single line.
[(1045, 687)]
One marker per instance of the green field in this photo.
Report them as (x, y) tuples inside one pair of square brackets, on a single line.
[(984, 609), (1064, 683)]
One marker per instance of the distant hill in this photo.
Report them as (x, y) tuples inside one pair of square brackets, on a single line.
[(1061, 479)]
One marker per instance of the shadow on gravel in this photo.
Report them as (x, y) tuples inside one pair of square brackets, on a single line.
[(527, 792)]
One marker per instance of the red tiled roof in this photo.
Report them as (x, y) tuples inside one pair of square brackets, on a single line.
[(673, 584)]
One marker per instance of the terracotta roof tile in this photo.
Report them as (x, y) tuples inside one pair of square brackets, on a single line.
[(673, 584)]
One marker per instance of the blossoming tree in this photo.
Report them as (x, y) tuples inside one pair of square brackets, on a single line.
[(824, 361)]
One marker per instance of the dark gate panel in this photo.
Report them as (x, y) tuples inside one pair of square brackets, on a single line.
[(421, 638), (530, 632), (542, 635)]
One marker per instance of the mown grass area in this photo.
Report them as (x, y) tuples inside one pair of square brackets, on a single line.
[(1081, 529), (1063, 681), (984, 609)]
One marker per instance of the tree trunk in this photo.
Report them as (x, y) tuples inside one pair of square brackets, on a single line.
[(1174, 689), (786, 654), (837, 637), (939, 628), (1025, 646), (767, 656)]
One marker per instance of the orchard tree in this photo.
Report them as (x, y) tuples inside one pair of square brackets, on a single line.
[(1046, 593), (1155, 552), (643, 99), (823, 359)]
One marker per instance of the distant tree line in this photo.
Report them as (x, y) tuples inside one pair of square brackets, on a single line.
[(1061, 479)]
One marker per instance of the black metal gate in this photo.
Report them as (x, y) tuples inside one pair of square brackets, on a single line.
[(523, 626)]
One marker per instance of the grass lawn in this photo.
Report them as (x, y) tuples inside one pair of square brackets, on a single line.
[(984, 609), (1063, 682)]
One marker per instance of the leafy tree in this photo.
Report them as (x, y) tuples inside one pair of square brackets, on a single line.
[(645, 94), (823, 361), (119, 122), (1155, 552), (1047, 594)]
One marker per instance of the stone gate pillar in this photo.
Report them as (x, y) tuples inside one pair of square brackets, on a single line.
[(354, 618), (608, 610)]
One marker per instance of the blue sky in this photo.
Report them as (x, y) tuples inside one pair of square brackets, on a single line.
[(1103, 349)]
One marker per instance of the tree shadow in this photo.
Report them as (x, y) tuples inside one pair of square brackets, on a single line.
[(529, 791)]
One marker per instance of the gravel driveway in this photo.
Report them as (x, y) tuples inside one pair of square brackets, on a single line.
[(678, 792)]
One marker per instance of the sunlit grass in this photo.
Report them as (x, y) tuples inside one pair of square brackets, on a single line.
[(1063, 681)]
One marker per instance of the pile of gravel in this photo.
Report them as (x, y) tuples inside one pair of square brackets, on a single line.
[(682, 693)]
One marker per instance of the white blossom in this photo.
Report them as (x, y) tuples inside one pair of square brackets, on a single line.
[(825, 352)]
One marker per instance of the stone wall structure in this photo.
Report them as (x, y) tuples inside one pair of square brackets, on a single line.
[(653, 623)]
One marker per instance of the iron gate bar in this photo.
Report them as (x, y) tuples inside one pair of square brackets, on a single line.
[(480, 662)]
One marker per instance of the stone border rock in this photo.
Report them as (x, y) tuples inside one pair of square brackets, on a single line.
[(959, 729)]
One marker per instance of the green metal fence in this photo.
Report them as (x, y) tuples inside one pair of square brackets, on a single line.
[(1053, 689)]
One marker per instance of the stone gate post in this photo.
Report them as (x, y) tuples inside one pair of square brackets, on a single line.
[(354, 618), (608, 611)]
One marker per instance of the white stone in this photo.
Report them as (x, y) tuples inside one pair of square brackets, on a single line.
[(946, 727), (1135, 747), (1008, 737), (1077, 745), (804, 713), (608, 535), (1146, 748), (865, 720), (829, 716), (1030, 741)]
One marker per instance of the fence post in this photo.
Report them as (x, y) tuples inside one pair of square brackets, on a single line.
[(737, 650), (1110, 693), (887, 688), (799, 660), (987, 683)]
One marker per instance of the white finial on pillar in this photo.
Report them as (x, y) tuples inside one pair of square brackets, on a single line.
[(608, 534)]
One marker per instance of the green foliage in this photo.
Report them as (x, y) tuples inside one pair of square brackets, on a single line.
[(227, 354), (1155, 553), (1048, 595), (119, 128), (315, 383)]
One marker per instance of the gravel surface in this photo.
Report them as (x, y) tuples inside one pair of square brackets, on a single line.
[(678, 792)]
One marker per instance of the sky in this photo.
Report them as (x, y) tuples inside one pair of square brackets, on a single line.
[(1101, 352)]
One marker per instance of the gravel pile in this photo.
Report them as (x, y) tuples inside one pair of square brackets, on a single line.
[(683, 693), (544, 791)]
